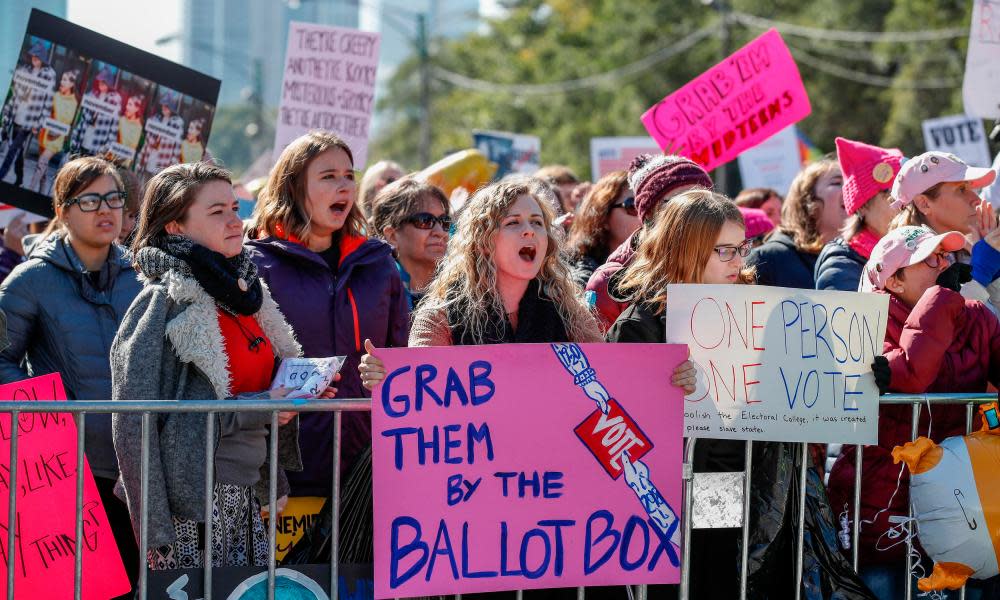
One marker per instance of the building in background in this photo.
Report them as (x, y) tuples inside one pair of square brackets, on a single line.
[(13, 22), (397, 21), (242, 42)]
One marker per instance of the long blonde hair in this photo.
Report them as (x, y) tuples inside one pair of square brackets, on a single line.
[(676, 248), (280, 210), (468, 274)]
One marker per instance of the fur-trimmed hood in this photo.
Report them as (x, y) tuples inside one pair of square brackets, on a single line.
[(197, 338)]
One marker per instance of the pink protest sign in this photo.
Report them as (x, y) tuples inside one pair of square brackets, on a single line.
[(737, 104), (526, 466), (45, 533)]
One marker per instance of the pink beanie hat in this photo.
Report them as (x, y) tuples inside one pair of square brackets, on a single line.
[(756, 222), (867, 171)]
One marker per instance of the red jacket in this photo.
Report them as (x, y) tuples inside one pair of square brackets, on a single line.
[(608, 306), (945, 344)]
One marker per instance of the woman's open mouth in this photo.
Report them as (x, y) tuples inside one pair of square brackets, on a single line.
[(527, 253), (339, 207)]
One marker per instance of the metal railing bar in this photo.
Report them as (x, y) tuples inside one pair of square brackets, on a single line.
[(81, 430), (184, 406), (209, 502), (745, 549), (272, 501), (335, 508), (144, 503), (800, 542), (687, 474), (12, 505), (856, 533)]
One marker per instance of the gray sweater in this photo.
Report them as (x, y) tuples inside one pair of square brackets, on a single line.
[(170, 347)]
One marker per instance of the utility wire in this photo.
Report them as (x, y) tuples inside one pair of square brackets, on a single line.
[(573, 85), (815, 33), (803, 57)]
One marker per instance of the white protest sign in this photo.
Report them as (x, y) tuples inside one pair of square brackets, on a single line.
[(981, 87), (780, 364), (329, 84), (773, 163), (615, 153), (307, 377), (962, 135)]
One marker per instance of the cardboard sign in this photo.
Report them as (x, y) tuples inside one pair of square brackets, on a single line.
[(299, 516), (512, 152), (45, 532), (981, 86), (735, 105), (91, 95), (773, 163), (329, 84), (526, 466), (292, 582), (615, 153), (780, 364), (962, 135)]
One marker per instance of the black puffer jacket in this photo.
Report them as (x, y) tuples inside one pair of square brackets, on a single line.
[(779, 262)]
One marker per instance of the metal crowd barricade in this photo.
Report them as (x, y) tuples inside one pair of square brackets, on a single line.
[(916, 401), (211, 407)]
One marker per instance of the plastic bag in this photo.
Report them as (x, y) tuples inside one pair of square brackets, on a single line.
[(826, 573), (307, 377), (356, 527)]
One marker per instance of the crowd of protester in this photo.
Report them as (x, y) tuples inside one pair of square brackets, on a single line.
[(165, 293)]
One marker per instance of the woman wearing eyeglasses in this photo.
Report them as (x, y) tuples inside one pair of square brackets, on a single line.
[(604, 221), (64, 305), (335, 286), (413, 217), (697, 237)]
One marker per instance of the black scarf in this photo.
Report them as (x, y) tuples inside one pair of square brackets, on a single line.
[(538, 322), (232, 283)]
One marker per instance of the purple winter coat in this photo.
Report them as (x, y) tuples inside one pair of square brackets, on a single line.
[(332, 315)]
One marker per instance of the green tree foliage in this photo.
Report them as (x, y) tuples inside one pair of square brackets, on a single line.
[(228, 140), (559, 40)]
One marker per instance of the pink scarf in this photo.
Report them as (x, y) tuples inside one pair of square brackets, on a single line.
[(864, 242)]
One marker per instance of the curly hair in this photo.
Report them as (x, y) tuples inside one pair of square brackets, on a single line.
[(468, 274), (589, 233), (801, 211)]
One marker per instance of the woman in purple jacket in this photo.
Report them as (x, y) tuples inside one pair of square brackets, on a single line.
[(335, 286)]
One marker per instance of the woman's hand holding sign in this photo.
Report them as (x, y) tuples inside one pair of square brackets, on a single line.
[(371, 368)]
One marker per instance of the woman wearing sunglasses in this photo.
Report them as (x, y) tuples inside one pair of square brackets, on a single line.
[(413, 217), (64, 305), (335, 286), (604, 221)]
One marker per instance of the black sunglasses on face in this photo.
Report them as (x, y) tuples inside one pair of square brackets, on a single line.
[(426, 220), (115, 199), (628, 204)]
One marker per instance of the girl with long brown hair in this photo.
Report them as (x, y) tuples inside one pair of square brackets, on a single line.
[(203, 326), (336, 286)]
